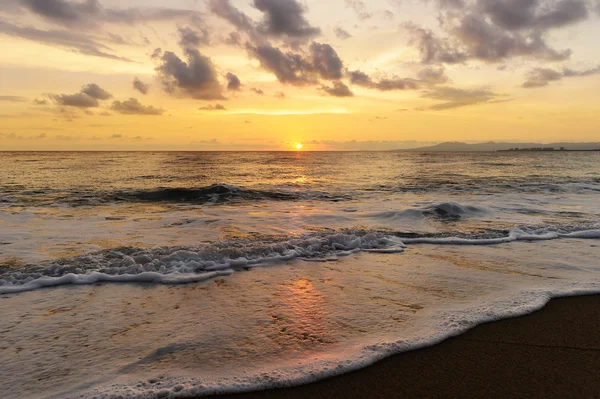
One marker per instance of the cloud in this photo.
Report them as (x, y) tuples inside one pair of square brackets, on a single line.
[(281, 95), (217, 107), (359, 8), (260, 92), (225, 10), (360, 78), (288, 67), (326, 61), (13, 99), (134, 107), (433, 75), (496, 30), (89, 14), (196, 78), (541, 77), (526, 14), (338, 89), (140, 86), (285, 18), (88, 97), (491, 43), (233, 82), (341, 33), (298, 69), (95, 91), (192, 38), (433, 50), (71, 40), (455, 97)]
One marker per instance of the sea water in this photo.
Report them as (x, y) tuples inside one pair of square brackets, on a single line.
[(150, 275)]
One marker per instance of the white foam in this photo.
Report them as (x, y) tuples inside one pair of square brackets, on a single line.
[(273, 327), (184, 266), (442, 326)]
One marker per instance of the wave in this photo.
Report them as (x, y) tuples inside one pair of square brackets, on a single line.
[(224, 193), (443, 211), (183, 265), (213, 194)]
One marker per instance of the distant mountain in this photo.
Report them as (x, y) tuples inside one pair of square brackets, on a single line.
[(493, 146)]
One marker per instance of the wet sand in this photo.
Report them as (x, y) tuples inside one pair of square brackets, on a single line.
[(554, 353)]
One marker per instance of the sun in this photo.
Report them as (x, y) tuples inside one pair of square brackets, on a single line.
[(299, 146)]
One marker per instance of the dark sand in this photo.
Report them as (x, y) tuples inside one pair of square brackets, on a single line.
[(554, 353)]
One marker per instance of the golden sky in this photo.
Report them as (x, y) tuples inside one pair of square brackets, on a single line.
[(270, 74)]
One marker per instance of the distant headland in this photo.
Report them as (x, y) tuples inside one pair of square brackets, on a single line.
[(507, 147)]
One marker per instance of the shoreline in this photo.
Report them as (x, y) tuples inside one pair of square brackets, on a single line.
[(552, 353)]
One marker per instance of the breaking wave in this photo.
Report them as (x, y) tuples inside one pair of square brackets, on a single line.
[(183, 265)]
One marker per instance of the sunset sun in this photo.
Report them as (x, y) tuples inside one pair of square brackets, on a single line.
[(299, 146)]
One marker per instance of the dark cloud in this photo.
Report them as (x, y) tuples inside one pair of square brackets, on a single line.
[(341, 34), (67, 39), (326, 61), (490, 43), (134, 107), (95, 91), (285, 18), (217, 107), (496, 30), (13, 99), (360, 78), (156, 54), (360, 8), (89, 14), (258, 91), (192, 38), (455, 98), (289, 68), (338, 89), (298, 69), (233, 82), (225, 10), (78, 100), (140, 86), (541, 77), (196, 78), (539, 14), (89, 97)]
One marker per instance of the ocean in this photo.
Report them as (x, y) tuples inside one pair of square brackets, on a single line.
[(176, 274)]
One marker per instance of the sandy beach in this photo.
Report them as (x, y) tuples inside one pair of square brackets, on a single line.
[(553, 353)]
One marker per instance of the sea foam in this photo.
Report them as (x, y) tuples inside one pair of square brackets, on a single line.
[(181, 265)]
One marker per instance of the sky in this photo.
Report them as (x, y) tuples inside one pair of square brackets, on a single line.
[(218, 75)]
